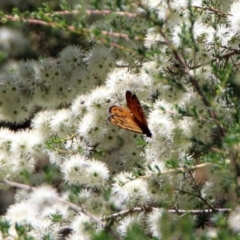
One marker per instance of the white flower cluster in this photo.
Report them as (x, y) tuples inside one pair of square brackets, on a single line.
[(50, 83), (36, 209), (74, 94)]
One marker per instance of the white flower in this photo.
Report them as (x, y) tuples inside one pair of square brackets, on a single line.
[(210, 191), (201, 131), (123, 178), (76, 236), (129, 58), (41, 122), (21, 163), (22, 213), (93, 126), (52, 89), (147, 72), (62, 123), (121, 80), (6, 138), (115, 161), (128, 223), (111, 140), (158, 187), (193, 104), (82, 226), (205, 77), (16, 153), (97, 205), (132, 192), (234, 220), (224, 34), (79, 106), (129, 154), (176, 35), (153, 38), (100, 60), (183, 4), (185, 201), (28, 74), (159, 6), (80, 170), (71, 57), (81, 80), (5, 164), (49, 72), (202, 30), (154, 221), (161, 125), (15, 105), (199, 30), (34, 143), (99, 98), (42, 196), (19, 145), (171, 93), (54, 157), (234, 17), (56, 208), (12, 41)]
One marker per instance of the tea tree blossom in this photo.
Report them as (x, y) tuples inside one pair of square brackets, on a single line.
[(154, 222), (233, 18), (234, 219), (179, 58), (82, 171)]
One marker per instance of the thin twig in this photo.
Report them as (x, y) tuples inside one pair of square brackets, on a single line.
[(177, 170), (187, 71), (193, 81), (58, 199), (195, 195), (174, 211), (94, 12), (82, 31), (227, 55), (211, 9), (199, 194), (71, 205)]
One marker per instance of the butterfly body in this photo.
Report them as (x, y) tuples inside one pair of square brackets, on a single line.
[(131, 118)]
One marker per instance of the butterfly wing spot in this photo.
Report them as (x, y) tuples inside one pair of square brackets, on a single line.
[(119, 110)]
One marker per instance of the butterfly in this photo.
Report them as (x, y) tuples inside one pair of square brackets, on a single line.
[(131, 118)]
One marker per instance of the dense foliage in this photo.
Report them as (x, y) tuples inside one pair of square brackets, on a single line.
[(76, 175)]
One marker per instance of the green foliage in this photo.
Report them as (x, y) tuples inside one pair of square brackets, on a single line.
[(136, 232), (4, 227), (23, 230)]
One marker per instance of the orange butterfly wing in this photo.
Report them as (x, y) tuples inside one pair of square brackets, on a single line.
[(122, 117), (132, 119), (135, 107)]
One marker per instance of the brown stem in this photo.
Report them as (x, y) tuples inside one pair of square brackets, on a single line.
[(213, 10), (193, 81), (94, 12), (58, 199), (199, 195), (174, 211), (196, 195)]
